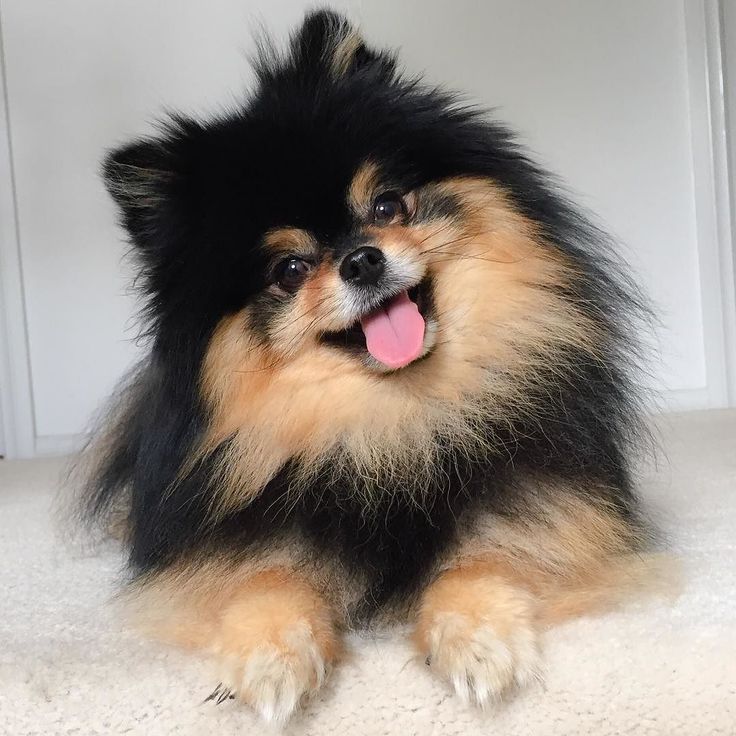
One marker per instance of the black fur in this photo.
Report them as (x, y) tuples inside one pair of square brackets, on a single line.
[(196, 201)]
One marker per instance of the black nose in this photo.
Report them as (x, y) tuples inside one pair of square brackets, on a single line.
[(364, 266)]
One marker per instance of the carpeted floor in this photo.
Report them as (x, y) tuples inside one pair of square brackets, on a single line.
[(67, 667)]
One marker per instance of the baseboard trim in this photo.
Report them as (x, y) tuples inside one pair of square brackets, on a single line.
[(49, 445)]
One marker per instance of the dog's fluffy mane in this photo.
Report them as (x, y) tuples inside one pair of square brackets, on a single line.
[(385, 514)]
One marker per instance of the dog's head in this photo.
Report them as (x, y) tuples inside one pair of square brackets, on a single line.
[(352, 259)]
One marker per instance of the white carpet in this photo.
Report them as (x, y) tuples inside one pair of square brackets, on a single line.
[(66, 667)]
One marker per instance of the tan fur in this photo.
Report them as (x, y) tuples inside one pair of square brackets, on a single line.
[(578, 557), (480, 632), (480, 621), (290, 241), (498, 326), (558, 534), (272, 636), (344, 52), (118, 523), (475, 593), (574, 557), (266, 606), (364, 188)]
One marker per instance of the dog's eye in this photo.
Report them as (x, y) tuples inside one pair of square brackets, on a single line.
[(389, 207), (291, 272)]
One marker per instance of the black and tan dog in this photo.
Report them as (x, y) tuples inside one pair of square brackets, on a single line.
[(388, 378)]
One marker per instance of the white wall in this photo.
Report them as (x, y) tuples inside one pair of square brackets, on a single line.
[(603, 91)]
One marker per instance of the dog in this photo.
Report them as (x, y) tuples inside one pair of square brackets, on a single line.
[(390, 377)]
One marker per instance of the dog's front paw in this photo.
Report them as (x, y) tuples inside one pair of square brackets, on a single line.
[(479, 663), (274, 645), (274, 677), (479, 635)]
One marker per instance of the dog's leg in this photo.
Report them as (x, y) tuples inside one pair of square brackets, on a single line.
[(273, 636), (479, 623), (275, 643), (479, 632)]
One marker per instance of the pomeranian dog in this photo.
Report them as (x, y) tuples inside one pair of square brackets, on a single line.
[(389, 379)]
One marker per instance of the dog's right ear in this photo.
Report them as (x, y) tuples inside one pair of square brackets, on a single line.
[(146, 179), (139, 176)]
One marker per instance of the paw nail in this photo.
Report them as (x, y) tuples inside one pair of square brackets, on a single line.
[(213, 694)]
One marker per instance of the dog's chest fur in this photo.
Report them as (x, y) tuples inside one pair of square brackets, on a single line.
[(390, 545)]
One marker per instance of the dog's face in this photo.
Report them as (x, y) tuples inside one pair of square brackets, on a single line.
[(361, 287), (359, 260)]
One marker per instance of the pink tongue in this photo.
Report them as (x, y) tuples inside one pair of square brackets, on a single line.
[(395, 334)]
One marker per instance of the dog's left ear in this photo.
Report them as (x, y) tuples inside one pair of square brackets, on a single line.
[(328, 40)]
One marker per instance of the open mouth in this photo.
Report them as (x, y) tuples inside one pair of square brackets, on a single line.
[(394, 332)]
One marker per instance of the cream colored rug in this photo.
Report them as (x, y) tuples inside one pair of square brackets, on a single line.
[(67, 667)]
